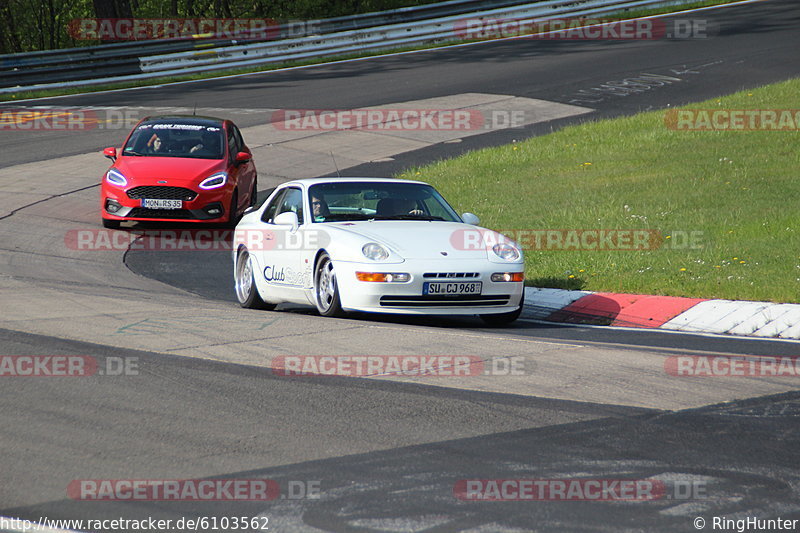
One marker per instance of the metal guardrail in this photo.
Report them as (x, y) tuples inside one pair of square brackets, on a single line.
[(73, 64), (152, 59), (376, 38), (81, 63)]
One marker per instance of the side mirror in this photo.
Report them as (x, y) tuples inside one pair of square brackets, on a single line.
[(470, 219), (287, 218), (243, 157), (110, 153)]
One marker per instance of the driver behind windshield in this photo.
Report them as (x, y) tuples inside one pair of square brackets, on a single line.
[(406, 206), (397, 206), (155, 144), (209, 145), (319, 207)]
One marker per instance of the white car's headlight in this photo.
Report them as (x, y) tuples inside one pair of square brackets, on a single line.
[(374, 251), (115, 177), (215, 181), (506, 251)]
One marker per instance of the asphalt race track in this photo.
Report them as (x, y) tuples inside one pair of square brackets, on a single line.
[(382, 453)]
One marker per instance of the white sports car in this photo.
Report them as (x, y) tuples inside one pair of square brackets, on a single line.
[(374, 245)]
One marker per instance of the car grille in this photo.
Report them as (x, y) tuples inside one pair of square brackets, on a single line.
[(141, 212), (451, 275), (162, 193), (460, 300)]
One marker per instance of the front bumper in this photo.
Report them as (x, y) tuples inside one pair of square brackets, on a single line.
[(205, 207), (408, 297)]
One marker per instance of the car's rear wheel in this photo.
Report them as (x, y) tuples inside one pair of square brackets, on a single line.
[(503, 319), (111, 224), (245, 283), (326, 288)]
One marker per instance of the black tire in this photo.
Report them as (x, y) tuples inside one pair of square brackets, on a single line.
[(111, 224), (254, 193), (244, 284), (233, 218), (503, 319), (326, 289)]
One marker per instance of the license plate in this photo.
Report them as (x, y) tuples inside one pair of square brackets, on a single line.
[(431, 287), (152, 203)]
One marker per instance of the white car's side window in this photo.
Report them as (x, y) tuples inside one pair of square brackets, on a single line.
[(270, 211), (292, 201)]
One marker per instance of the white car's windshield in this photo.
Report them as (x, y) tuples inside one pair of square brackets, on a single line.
[(334, 202)]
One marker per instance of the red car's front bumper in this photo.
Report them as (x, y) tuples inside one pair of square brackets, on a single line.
[(197, 205)]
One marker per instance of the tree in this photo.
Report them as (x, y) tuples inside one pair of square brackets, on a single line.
[(112, 9), (9, 38)]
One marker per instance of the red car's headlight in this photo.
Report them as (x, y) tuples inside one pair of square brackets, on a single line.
[(214, 181), (115, 177)]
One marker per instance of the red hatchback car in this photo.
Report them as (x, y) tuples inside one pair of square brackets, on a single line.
[(179, 168)]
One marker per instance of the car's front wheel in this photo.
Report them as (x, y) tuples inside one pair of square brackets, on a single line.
[(503, 319), (111, 224), (233, 217), (326, 288), (245, 283), (254, 194)]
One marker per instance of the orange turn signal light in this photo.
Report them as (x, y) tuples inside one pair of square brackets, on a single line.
[(508, 276), (370, 276), (384, 277)]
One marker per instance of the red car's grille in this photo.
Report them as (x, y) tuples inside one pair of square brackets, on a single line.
[(162, 193)]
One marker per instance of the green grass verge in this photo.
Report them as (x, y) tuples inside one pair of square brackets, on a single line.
[(45, 93), (738, 189)]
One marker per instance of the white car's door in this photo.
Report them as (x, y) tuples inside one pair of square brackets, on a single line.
[(262, 245), (282, 259)]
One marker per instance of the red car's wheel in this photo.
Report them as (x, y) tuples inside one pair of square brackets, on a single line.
[(233, 216), (254, 194)]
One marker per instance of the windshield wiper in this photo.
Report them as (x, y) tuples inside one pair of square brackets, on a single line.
[(426, 218), (341, 217)]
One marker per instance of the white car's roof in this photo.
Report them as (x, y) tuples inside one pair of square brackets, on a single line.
[(307, 182)]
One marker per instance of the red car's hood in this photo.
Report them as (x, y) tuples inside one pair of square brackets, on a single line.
[(173, 170)]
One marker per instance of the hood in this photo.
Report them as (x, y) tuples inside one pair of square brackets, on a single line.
[(175, 170), (419, 240)]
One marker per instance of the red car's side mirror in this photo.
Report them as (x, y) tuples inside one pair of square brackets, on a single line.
[(110, 153), (243, 157)]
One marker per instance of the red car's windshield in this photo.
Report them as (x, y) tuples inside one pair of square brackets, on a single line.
[(171, 139)]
